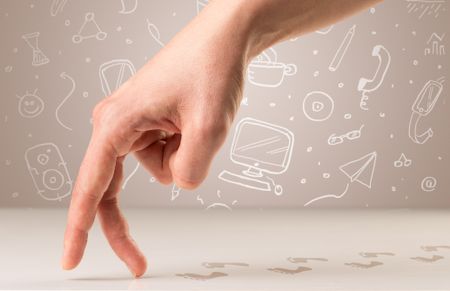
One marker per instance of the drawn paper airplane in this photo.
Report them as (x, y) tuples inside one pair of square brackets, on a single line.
[(361, 170)]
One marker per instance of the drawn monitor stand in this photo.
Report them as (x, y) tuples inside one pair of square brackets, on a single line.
[(114, 73), (48, 171), (266, 71), (39, 58), (263, 148), (366, 85), (423, 105)]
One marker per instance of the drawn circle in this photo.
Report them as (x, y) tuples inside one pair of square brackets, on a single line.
[(278, 190), (429, 184), (53, 179), (43, 159), (318, 106), (30, 106)]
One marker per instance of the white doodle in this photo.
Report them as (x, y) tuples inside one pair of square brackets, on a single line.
[(175, 192), (360, 170), (428, 184), (65, 77), (114, 73), (425, 7), (423, 105), (128, 6), (30, 105), (262, 148), (86, 30), (318, 106), (154, 33), (325, 30), (57, 7), (201, 4), (342, 50), (217, 206), (48, 171), (403, 161), (435, 45), (366, 86), (266, 71), (335, 139), (130, 175), (39, 58), (200, 200)]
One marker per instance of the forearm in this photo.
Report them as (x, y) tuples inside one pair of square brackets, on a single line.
[(266, 22)]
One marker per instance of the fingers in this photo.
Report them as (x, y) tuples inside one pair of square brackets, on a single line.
[(115, 227), (191, 161), (94, 177)]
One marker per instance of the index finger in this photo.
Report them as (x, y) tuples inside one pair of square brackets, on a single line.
[(94, 177)]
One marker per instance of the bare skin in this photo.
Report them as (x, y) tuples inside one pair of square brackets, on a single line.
[(175, 113)]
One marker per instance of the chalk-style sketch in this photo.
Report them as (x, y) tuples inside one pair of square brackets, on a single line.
[(375, 254), (402, 161), (428, 184), (325, 30), (360, 170), (125, 182), (213, 265), (365, 85), (154, 33), (423, 105), (89, 29), (114, 73), (297, 270), (201, 277), (335, 139), (30, 105), (266, 71), (305, 260), (57, 7), (263, 148), (201, 4), (128, 6), (432, 259), (65, 77), (32, 40), (219, 206), (49, 172), (434, 248), (318, 106), (370, 265), (425, 7), (175, 192), (435, 45), (342, 50), (199, 199)]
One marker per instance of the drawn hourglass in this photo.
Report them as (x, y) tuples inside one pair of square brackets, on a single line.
[(39, 58)]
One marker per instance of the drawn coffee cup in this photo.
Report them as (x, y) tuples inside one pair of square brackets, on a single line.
[(269, 74)]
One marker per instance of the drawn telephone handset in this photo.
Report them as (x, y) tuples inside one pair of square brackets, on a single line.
[(366, 85), (424, 104)]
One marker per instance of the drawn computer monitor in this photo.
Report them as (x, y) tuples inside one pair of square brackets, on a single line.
[(262, 148)]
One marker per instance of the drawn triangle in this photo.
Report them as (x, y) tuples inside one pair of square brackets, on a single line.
[(355, 168)]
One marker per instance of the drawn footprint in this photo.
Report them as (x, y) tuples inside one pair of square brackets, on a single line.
[(433, 259), (375, 255), (211, 265), (434, 248), (305, 260), (290, 271), (200, 277), (370, 265)]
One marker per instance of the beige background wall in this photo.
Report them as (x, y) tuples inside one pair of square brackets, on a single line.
[(48, 100)]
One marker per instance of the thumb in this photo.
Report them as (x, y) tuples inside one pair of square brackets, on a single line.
[(199, 144)]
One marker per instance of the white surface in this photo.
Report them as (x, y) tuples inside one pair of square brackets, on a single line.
[(179, 241)]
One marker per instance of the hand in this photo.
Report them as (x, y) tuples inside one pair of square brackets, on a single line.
[(174, 114)]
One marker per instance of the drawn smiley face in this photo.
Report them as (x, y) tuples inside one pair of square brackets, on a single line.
[(30, 105)]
